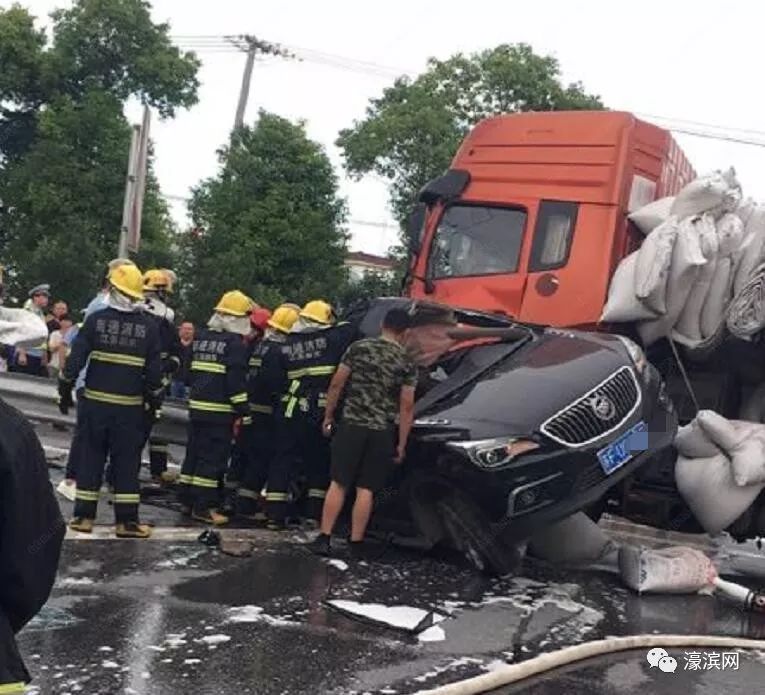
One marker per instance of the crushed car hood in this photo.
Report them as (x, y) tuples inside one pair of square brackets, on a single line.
[(511, 389)]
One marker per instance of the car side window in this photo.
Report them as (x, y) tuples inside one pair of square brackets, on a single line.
[(556, 221)]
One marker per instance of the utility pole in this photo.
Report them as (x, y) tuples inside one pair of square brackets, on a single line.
[(253, 46), (130, 181), (244, 92)]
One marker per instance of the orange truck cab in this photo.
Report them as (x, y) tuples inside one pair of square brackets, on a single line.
[(531, 218)]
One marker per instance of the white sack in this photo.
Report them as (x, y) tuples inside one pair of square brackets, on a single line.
[(751, 249), (692, 441), (720, 430), (653, 265), (686, 261), (715, 193), (688, 326), (730, 232), (622, 304), (675, 570), (718, 298), (650, 216), (575, 539), (21, 328), (745, 210), (743, 442), (708, 488), (746, 314)]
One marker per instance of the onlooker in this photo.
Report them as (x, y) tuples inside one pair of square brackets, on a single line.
[(179, 388), (381, 380), (34, 361), (58, 346), (60, 309)]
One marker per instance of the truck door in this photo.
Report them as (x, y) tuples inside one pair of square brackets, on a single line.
[(569, 264), (475, 258)]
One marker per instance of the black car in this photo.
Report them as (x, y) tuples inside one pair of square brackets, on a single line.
[(517, 426)]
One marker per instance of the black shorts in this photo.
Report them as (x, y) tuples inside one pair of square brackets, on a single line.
[(362, 457)]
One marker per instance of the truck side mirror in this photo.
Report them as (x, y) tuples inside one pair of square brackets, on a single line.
[(414, 225)]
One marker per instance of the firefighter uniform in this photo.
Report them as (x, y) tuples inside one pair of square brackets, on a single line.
[(308, 361), (122, 351), (218, 396), (265, 384), (171, 361), (31, 533)]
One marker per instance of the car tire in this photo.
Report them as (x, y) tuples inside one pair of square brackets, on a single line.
[(474, 537)]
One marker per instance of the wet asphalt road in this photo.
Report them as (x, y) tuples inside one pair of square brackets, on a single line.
[(170, 615)]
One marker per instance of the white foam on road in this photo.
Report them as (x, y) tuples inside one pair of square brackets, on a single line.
[(75, 581), (214, 639), (402, 617), (342, 566), (432, 634)]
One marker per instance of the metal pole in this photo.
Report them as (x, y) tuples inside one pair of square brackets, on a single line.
[(141, 164), (244, 93), (127, 205)]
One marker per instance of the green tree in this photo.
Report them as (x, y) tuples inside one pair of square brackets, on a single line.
[(64, 138), (270, 223), (411, 133), (368, 286)]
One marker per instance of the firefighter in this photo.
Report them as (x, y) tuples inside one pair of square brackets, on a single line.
[(309, 357), (157, 285), (218, 399), (264, 387), (121, 346), (31, 533), (259, 317)]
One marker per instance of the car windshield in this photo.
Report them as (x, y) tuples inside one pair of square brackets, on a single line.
[(477, 240)]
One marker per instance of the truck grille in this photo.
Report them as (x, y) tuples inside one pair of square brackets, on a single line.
[(597, 413)]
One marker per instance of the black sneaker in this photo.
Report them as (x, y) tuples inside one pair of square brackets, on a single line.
[(359, 550), (320, 545)]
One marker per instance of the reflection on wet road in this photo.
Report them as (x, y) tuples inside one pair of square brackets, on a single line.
[(175, 617)]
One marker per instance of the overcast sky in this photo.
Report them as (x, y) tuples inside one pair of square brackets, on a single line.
[(691, 61)]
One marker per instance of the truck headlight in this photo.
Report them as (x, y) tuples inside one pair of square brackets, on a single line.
[(635, 352), (492, 453)]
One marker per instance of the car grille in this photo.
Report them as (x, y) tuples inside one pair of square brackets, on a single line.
[(579, 424)]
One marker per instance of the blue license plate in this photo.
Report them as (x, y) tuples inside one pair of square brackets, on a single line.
[(616, 454)]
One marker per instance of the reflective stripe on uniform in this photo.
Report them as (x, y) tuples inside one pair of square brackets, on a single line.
[(158, 447), (256, 361), (185, 479), (262, 409), (112, 398), (276, 496), (210, 406), (290, 398), (325, 370), (86, 495), (247, 420), (213, 367), (239, 397), (249, 494), (7, 688), (117, 358), (196, 481), (317, 493), (126, 499)]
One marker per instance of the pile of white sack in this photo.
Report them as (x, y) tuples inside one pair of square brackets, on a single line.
[(699, 265), (720, 469)]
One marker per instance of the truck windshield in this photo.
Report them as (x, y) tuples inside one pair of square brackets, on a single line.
[(477, 240)]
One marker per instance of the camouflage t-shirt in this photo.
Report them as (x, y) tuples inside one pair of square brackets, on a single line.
[(379, 368)]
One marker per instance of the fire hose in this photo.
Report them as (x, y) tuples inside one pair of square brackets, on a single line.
[(513, 673)]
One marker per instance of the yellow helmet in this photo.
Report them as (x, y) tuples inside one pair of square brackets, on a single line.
[(156, 279), (235, 303), (318, 310), (127, 279), (283, 318)]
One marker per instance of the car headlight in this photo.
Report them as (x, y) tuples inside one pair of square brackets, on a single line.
[(492, 453), (635, 352)]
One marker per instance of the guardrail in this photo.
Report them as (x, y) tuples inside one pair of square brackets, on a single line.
[(37, 398)]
